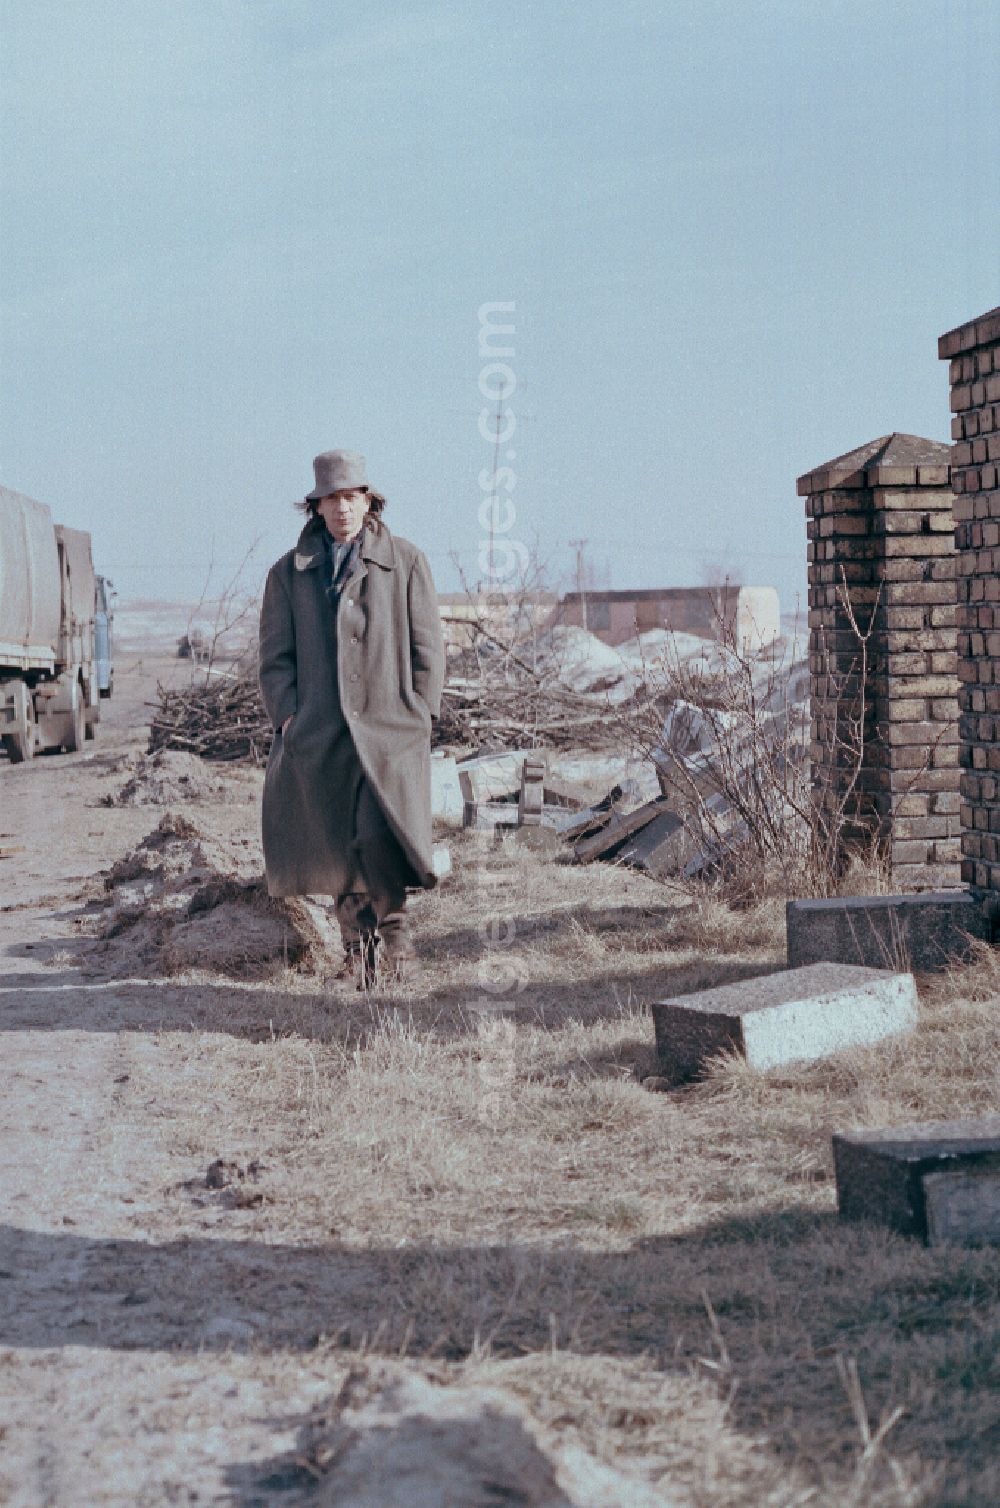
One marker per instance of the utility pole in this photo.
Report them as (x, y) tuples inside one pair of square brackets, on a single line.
[(496, 466), (578, 545)]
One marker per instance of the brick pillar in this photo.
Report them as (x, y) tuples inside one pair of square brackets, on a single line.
[(881, 548), (973, 351)]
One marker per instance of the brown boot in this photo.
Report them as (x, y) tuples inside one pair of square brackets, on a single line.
[(403, 969), (358, 931), (399, 958), (361, 961)]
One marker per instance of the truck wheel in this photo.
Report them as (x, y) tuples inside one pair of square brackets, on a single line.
[(78, 727), (18, 747), (21, 746)]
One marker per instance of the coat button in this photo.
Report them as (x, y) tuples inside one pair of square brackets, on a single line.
[(354, 677), (354, 639), (350, 601)]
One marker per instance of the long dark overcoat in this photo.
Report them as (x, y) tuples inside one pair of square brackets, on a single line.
[(361, 681)]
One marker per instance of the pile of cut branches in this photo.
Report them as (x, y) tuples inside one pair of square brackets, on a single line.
[(502, 692), (218, 716), (525, 712)]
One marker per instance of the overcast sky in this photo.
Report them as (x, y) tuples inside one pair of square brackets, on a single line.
[(238, 232)]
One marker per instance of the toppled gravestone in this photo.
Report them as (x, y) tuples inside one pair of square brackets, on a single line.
[(446, 791), (531, 795), (939, 1180), (926, 932), (393, 1440), (514, 791), (796, 1016), (492, 777), (616, 829)]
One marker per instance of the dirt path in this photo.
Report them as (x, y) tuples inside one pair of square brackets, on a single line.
[(464, 1181), (125, 1378)]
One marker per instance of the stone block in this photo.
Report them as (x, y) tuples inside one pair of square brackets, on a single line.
[(531, 796), (492, 777), (606, 843), (541, 838), (446, 791), (964, 1206), (793, 1017), (662, 847), (925, 932), (939, 1180), (486, 816)]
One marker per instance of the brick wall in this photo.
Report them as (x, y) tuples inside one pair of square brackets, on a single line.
[(884, 738), (973, 351)]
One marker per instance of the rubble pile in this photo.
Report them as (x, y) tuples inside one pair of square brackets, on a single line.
[(701, 749), (726, 775), (177, 902), (554, 690), (167, 777), (560, 689)]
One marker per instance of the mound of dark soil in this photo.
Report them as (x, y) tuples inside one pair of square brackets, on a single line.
[(168, 777), (175, 904)]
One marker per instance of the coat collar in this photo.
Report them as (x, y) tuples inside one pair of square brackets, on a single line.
[(377, 548)]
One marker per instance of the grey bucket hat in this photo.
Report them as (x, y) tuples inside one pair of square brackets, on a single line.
[(335, 470)]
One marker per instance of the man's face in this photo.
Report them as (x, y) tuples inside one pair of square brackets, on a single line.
[(343, 512)]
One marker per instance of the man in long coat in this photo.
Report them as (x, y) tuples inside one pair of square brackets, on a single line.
[(351, 671)]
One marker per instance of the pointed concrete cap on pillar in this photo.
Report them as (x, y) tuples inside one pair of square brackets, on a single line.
[(976, 332), (891, 461)]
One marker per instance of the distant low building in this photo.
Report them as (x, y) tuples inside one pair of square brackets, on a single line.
[(751, 614), (504, 616)]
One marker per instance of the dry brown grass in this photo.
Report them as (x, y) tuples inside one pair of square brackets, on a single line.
[(472, 1171)]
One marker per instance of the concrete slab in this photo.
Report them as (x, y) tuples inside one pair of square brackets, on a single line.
[(939, 1180), (484, 816), (793, 1017), (925, 932), (488, 816), (612, 836), (541, 839), (446, 792), (963, 1207), (493, 777), (662, 847)]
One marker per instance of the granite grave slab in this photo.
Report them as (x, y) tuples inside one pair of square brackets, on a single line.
[(925, 932), (939, 1180), (798, 1015)]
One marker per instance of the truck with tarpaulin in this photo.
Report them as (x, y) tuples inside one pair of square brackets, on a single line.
[(50, 679)]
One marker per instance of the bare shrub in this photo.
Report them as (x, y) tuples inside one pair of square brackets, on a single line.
[(219, 714), (516, 678), (733, 756)]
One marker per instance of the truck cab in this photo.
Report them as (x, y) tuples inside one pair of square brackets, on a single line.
[(104, 615)]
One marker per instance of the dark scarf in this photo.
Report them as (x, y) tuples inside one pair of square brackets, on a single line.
[(333, 582)]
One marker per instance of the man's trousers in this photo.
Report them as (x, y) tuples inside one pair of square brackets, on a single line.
[(377, 899)]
